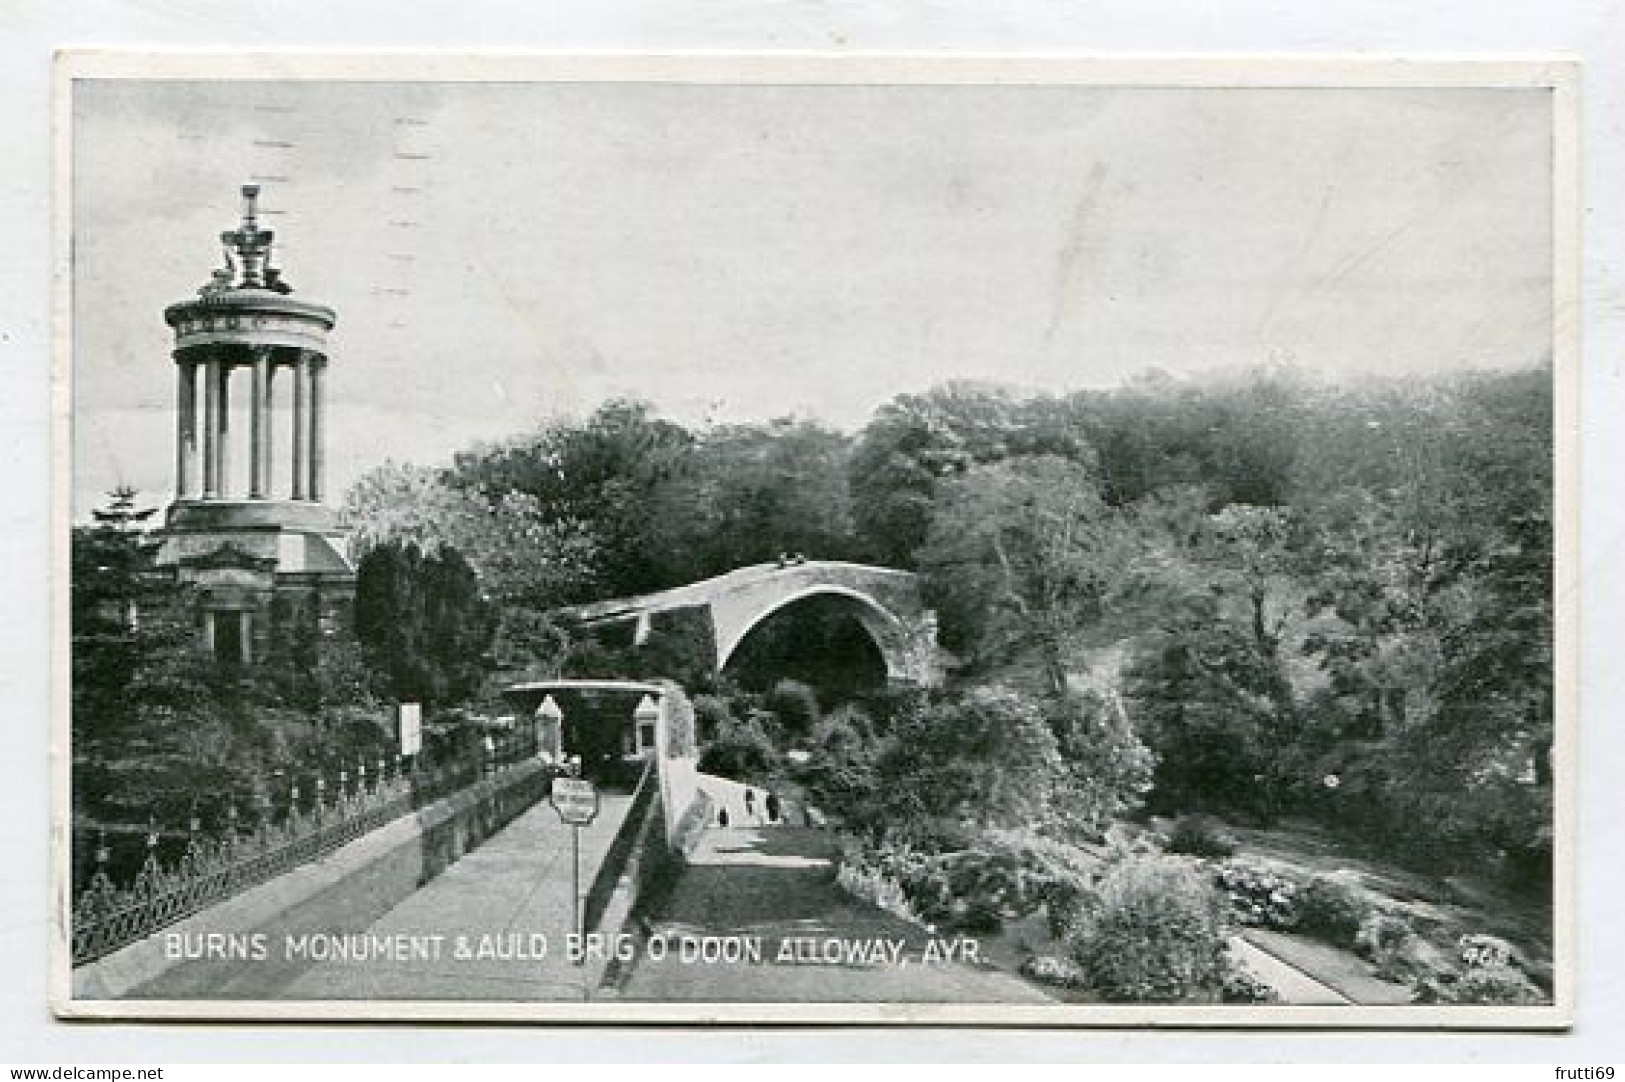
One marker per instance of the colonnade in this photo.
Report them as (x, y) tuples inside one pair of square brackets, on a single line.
[(213, 444)]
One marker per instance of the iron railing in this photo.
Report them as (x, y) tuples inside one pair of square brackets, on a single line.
[(215, 867)]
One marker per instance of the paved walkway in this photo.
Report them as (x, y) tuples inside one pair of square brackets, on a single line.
[(1340, 973), (504, 899), (768, 894), (1295, 987)]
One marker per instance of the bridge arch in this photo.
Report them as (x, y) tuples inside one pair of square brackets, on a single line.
[(884, 628), (886, 602)]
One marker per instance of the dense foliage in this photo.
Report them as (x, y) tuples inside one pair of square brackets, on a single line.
[(423, 623), (1304, 599), (1254, 594), (165, 735)]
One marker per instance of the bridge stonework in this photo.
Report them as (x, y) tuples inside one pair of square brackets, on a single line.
[(885, 601)]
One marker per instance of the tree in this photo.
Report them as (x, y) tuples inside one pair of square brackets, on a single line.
[(401, 504), (524, 553), (1200, 694), (111, 574), (915, 443), (1211, 686), (1021, 558), (841, 772), (743, 751), (1377, 603), (1236, 435), (591, 484), (423, 623), (987, 759), (795, 705), (156, 728), (1379, 653), (1106, 768), (527, 645), (1478, 769), (749, 493)]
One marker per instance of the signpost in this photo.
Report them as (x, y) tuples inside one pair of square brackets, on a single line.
[(411, 728), (576, 801)]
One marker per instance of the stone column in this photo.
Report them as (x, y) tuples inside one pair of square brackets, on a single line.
[(185, 429), (270, 424), (211, 428), (259, 427), (222, 443), (301, 423), (318, 447)]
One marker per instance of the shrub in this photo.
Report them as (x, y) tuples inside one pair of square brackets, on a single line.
[(1413, 961), (869, 883), (934, 834), (1259, 895), (1200, 836), (1332, 909), (1394, 949), (896, 877), (1054, 875), (712, 714), (972, 890), (1107, 769), (1480, 986), (924, 879), (741, 751), (1497, 984), (839, 774), (986, 886), (1490, 974), (1159, 936), (1381, 934), (796, 706), (988, 757), (1241, 986), (1069, 904), (853, 717), (1385, 940)]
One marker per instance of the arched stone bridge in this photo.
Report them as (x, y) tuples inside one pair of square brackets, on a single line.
[(885, 601)]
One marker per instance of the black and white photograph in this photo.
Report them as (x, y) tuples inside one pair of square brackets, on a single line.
[(858, 541)]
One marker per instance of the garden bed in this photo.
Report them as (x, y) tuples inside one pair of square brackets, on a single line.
[(1443, 907)]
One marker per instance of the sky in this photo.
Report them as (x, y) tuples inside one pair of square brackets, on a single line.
[(501, 254)]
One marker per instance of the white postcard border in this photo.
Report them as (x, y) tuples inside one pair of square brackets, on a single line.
[(1559, 74)]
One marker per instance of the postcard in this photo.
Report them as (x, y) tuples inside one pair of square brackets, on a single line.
[(816, 539)]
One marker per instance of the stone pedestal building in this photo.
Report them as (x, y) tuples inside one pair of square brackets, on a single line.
[(261, 550)]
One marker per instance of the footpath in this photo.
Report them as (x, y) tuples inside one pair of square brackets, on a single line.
[(505, 899), (757, 918)]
